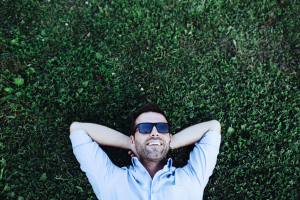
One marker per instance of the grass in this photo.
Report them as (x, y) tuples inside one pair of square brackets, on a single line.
[(236, 61)]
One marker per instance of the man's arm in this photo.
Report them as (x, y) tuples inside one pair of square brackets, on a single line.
[(103, 135), (194, 133)]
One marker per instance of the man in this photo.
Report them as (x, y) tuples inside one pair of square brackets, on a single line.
[(152, 176)]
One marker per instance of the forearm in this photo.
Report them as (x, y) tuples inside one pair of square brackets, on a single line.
[(194, 133), (103, 135)]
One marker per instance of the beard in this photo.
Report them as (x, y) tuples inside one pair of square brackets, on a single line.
[(153, 155)]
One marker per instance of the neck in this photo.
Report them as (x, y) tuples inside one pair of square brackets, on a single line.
[(153, 167)]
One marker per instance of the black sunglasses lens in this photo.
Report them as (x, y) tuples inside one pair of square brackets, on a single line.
[(162, 128), (145, 128)]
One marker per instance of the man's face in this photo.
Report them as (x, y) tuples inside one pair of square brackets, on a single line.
[(153, 153)]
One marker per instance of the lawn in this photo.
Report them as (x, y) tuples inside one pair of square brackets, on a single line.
[(235, 61)]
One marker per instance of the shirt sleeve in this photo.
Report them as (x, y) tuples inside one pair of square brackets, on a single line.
[(203, 158), (99, 169)]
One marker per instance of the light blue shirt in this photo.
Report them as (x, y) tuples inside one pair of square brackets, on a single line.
[(111, 182)]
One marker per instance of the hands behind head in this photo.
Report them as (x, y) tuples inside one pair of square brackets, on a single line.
[(133, 153)]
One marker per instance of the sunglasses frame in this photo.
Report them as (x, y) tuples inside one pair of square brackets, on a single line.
[(153, 124)]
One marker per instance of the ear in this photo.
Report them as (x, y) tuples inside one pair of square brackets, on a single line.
[(132, 141), (170, 139)]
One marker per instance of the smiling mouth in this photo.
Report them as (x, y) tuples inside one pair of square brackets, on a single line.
[(154, 143)]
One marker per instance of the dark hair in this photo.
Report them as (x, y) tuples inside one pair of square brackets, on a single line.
[(150, 107)]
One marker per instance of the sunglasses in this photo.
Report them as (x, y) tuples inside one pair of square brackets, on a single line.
[(147, 127)]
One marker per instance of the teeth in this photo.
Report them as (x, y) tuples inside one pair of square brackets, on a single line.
[(154, 143)]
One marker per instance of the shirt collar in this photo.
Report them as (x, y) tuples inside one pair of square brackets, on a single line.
[(136, 163), (169, 163)]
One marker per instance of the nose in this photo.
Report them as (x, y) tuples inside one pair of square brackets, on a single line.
[(154, 132)]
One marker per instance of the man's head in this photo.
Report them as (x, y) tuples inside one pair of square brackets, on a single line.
[(153, 114)]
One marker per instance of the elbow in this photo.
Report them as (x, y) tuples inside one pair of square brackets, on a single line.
[(72, 127), (216, 126), (218, 122)]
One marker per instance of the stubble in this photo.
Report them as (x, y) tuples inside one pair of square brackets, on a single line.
[(151, 155)]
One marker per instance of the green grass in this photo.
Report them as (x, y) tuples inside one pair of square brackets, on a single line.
[(236, 61)]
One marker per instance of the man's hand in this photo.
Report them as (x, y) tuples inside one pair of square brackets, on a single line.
[(133, 153)]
